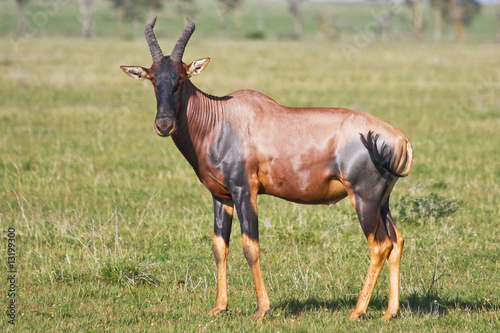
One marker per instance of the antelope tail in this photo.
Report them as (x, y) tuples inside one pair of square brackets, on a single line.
[(385, 158)]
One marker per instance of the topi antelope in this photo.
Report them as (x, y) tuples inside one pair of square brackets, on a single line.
[(245, 144)]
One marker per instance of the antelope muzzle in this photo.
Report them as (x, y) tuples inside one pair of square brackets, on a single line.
[(164, 126)]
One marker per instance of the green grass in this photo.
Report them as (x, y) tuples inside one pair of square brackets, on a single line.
[(114, 230)]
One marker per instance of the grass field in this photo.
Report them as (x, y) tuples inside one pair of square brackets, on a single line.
[(114, 231)]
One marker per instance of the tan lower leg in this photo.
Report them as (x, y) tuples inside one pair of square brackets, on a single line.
[(394, 276), (251, 250), (378, 254), (221, 251)]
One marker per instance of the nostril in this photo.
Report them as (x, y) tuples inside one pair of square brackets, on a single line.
[(164, 131), (169, 129)]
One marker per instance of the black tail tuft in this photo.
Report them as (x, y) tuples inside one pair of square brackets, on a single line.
[(384, 158)]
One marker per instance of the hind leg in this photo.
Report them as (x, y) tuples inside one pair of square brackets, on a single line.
[(380, 247), (394, 262), (369, 214)]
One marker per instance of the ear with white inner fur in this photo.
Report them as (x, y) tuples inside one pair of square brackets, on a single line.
[(136, 72), (197, 66)]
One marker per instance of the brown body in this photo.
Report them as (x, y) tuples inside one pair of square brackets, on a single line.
[(245, 144), (276, 142)]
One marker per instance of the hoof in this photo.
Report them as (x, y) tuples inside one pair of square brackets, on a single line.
[(260, 314), (356, 316), (390, 316), (217, 310)]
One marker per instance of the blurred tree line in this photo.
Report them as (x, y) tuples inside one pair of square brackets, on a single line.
[(134, 10), (21, 25), (455, 12)]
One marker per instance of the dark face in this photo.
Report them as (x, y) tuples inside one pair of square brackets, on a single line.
[(167, 75), (166, 80)]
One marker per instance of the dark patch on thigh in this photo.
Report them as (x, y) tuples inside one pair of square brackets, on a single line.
[(354, 166), (228, 156)]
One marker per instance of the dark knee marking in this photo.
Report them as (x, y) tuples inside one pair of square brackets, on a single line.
[(250, 256)]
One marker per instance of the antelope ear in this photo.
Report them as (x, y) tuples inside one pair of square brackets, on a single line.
[(136, 72), (196, 67)]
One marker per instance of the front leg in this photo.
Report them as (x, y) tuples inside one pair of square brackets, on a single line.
[(223, 219), (246, 205)]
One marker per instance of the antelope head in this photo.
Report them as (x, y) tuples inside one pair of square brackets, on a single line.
[(167, 74)]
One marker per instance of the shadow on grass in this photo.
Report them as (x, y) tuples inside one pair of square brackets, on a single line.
[(415, 304), (297, 306), (432, 304)]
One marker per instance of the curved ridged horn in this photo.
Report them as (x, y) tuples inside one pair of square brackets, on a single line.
[(154, 48), (179, 47)]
